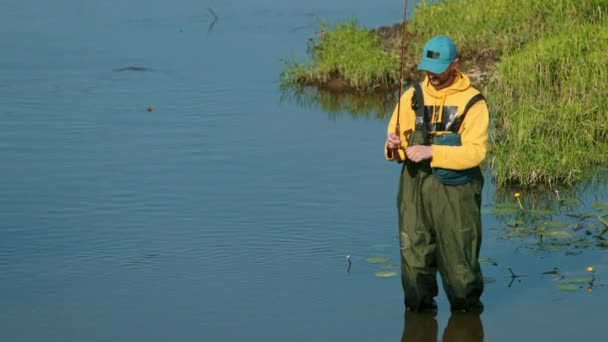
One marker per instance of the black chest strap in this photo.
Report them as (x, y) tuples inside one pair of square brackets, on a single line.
[(418, 107), (468, 106)]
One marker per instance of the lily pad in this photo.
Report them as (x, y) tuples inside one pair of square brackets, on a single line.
[(555, 224), (581, 216), (507, 205), (385, 274), (605, 223), (377, 260), (582, 244), (515, 223), (541, 212), (519, 232), (560, 234), (569, 201), (600, 205), (568, 287), (502, 211), (548, 248), (486, 260), (488, 280), (580, 280)]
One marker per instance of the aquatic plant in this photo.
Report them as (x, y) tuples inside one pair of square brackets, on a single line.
[(551, 226)]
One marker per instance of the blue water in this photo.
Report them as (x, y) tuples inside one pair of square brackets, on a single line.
[(191, 201)]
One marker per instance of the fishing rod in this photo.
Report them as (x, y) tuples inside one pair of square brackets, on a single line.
[(397, 128)]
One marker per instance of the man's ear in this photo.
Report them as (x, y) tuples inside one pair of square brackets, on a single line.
[(455, 62)]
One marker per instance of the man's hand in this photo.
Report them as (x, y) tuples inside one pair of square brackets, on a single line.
[(392, 141), (418, 153)]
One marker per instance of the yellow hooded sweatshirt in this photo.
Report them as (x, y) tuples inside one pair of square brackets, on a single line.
[(473, 131)]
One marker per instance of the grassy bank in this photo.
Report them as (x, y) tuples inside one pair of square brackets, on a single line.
[(552, 108), (541, 64), (346, 56)]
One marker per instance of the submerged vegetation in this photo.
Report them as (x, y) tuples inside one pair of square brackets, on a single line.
[(541, 65)]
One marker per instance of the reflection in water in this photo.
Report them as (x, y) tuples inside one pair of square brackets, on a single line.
[(422, 327), (378, 104), (419, 327)]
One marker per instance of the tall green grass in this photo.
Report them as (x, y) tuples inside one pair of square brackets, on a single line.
[(551, 105), (350, 53), (490, 29)]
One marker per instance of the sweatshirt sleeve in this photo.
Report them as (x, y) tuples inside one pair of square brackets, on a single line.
[(406, 125), (474, 142)]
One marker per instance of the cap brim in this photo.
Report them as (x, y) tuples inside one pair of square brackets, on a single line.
[(435, 68)]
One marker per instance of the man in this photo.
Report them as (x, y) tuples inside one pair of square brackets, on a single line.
[(441, 139)]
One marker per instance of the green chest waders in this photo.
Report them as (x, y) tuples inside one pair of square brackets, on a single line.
[(439, 229)]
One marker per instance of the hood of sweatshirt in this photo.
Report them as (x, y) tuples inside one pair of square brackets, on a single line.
[(461, 83)]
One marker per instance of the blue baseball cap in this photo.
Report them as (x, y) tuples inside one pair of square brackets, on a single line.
[(439, 52)]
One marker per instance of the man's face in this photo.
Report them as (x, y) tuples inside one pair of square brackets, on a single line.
[(443, 80)]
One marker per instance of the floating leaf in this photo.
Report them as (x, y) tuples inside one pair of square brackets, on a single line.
[(555, 224), (377, 260), (519, 232), (385, 274), (549, 248), (502, 211), (583, 244), (581, 216), (569, 201), (568, 287), (560, 234), (507, 205), (541, 212), (486, 260), (600, 205), (488, 280), (605, 223), (515, 223), (580, 280)]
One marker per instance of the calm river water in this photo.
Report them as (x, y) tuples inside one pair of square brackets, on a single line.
[(157, 186)]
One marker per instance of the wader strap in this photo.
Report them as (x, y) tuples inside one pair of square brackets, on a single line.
[(470, 104), (418, 107)]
